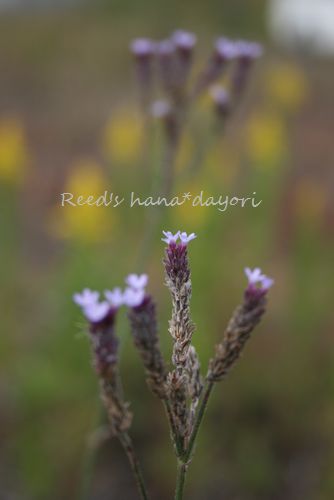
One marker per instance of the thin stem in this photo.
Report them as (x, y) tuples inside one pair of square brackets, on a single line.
[(176, 439), (198, 421), (180, 480), (134, 463), (183, 463)]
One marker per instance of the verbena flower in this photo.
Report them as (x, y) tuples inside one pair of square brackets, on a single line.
[(133, 298), (170, 237), (136, 281), (184, 40), (185, 238), (115, 297), (142, 47), (93, 310), (86, 297)]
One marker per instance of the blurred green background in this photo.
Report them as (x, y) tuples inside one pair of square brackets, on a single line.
[(69, 121)]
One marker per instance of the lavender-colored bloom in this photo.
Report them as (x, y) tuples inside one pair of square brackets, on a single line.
[(184, 40), (114, 297), (142, 47), (248, 50), (221, 99), (185, 238), (225, 49), (136, 281), (86, 297), (133, 298), (170, 237), (96, 312), (255, 277)]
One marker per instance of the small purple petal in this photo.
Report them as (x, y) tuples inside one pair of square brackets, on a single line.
[(136, 281), (185, 238), (184, 40), (170, 237), (133, 298), (114, 297), (142, 47), (86, 297), (96, 312)]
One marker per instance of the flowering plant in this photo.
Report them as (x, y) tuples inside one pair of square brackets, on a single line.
[(182, 389)]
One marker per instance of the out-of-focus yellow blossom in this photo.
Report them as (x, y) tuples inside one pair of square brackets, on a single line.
[(13, 150), (123, 136), (84, 223), (287, 85), (266, 139), (310, 200)]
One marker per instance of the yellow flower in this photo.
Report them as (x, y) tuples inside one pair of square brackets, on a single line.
[(123, 136), (85, 223), (13, 151), (287, 85), (266, 139)]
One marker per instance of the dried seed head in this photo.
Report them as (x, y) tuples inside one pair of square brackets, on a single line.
[(105, 353), (145, 335), (177, 392), (243, 321), (177, 274)]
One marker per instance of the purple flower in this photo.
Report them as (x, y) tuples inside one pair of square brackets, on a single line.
[(185, 238), (257, 279), (221, 99), (86, 297), (97, 311), (136, 281), (134, 297), (170, 237), (248, 50), (184, 40), (225, 49), (142, 47), (114, 297)]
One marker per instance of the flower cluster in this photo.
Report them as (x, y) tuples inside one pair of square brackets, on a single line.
[(172, 60), (96, 311), (182, 388)]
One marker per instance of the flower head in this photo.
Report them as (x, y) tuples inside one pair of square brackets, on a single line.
[(134, 297), (86, 297), (114, 297), (142, 47), (257, 279), (136, 281), (170, 237), (225, 49), (184, 40), (185, 238), (97, 312), (248, 50)]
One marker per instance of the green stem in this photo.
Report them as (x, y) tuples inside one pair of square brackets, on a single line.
[(134, 463), (180, 480), (175, 437), (184, 460), (198, 421)]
